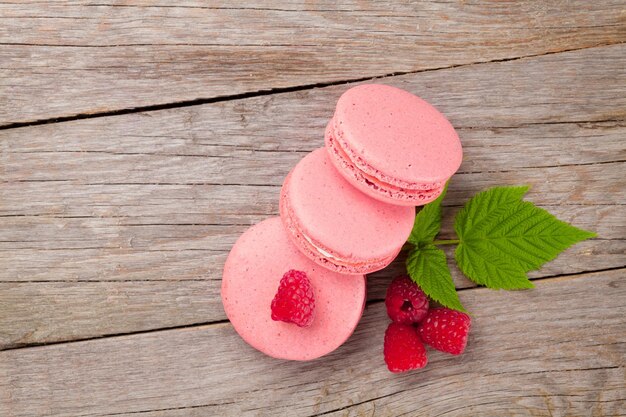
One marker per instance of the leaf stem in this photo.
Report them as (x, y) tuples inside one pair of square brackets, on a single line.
[(407, 246), (446, 242)]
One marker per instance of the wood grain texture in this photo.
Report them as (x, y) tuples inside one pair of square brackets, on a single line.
[(528, 355), (114, 230), (66, 58), (83, 293), (119, 211), (58, 311)]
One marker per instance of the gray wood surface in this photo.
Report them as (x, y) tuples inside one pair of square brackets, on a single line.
[(61, 58), (114, 229), (558, 349)]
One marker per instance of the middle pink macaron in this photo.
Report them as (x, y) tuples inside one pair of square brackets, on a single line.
[(336, 225)]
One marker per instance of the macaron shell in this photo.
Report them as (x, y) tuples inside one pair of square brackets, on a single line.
[(318, 202), (307, 247), (401, 137), (372, 186), (251, 277)]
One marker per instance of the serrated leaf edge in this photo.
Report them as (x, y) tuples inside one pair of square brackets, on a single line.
[(456, 303)]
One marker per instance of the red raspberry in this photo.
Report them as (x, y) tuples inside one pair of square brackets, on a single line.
[(445, 330), (403, 348), (406, 302), (294, 301)]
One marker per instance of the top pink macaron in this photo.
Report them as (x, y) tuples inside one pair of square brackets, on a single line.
[(392, 145)]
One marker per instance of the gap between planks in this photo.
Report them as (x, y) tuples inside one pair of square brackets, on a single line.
[(175, 155), (244, 184), (121, 334), (552, 278), (273, 91)]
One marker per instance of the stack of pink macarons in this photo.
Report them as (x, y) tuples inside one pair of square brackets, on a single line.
[(346, 210)]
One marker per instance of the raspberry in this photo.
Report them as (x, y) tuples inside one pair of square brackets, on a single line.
[(445, 330), (403, 348), (406, 302), (294, 301)]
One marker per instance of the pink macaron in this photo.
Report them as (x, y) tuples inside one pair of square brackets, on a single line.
[(336, 225), (392, 145), (252, 274)]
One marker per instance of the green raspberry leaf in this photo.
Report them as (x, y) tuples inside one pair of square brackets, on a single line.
[(427, 222), (484, 207), (484, 268), (427, 266), (503, 237)]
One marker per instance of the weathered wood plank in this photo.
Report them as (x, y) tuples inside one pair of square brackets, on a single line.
[(583, 186), (67, 58), (72, 304), (35, 313), (168, 247), (555, 350), (577, 86), (485, 151)]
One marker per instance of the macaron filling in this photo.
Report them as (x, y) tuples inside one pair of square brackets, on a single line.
[(369, 175), (320, 250)]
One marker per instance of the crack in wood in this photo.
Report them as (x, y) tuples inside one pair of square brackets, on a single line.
[(277, 90), (541, 167), (187, 407), (126, 45), (359, 403), (369, 303), (547, 371), (538, 279), (458, 408), (530, 124), (113, 335), (278, 151), (243, 149), (560, 276), (270, 9), (249, 184), (114, 281)]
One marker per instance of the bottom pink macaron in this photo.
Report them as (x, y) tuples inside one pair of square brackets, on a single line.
[(252, 274)]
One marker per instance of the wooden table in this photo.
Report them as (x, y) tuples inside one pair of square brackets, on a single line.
[(140, 139)]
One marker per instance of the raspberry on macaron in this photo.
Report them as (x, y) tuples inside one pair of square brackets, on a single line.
[(294, 301)]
